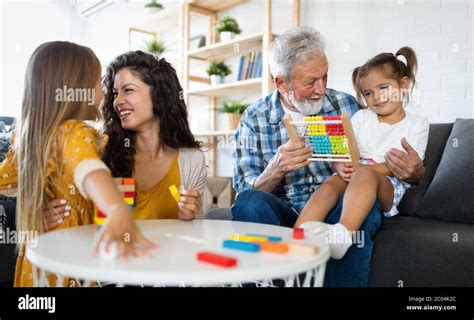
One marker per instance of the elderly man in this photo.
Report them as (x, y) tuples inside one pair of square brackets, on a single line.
[(272, 174)]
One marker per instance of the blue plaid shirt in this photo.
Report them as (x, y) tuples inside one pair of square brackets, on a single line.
[(262, 131)]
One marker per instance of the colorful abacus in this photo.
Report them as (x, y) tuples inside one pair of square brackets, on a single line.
[(331, 137), (127, 187)]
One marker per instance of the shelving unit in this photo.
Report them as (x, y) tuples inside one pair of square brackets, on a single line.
[(178, 18), (222, 50), (228, 89)]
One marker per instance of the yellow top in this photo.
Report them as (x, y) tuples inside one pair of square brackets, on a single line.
[(73, 142), (158, 203)]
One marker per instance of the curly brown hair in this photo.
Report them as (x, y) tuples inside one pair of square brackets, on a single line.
[(168, 106)]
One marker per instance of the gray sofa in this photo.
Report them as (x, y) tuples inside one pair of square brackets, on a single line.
[(431, 241)]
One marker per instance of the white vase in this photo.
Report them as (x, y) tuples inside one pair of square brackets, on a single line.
[(215, 80), (227, 36), (153, 10)]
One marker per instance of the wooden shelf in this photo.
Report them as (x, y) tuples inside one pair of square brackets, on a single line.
[(214, 133), (223, 49), (228, 89), (216, 5)]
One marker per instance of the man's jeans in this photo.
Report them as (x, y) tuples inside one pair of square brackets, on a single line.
[(351, 271)]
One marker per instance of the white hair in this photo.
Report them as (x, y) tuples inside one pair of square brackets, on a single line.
[(295, 46)]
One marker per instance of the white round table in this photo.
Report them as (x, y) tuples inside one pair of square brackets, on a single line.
[(68, 253)]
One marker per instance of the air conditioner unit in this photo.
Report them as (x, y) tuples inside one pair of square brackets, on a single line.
[(87, 8)]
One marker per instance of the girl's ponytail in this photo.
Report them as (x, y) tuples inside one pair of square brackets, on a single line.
[(412, 62)]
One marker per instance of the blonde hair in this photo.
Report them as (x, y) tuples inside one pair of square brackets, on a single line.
[(389, 65), (52, 67)]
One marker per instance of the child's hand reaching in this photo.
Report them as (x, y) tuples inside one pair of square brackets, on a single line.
[(121, 228), (344, 170)]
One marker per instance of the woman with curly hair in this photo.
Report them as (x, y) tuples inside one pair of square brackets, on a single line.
[(149, 139)]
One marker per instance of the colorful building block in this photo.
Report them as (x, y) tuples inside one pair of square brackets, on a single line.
[(269, 238), (217, 259), (99, 214), (244, 246), (298, 233), (274, 247), (128, 181), (244, 238), (175, 193), (129, 200), (127, 187), (98, 221), (303, 248)]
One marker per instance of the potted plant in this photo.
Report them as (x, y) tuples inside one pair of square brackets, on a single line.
[(217, 70), (228, 28), (154, 6), (156, 47), (234, 110)]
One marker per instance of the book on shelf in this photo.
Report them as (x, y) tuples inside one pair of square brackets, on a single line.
[(250, 66)]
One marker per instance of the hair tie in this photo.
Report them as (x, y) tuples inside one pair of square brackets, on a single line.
[(404, 60)]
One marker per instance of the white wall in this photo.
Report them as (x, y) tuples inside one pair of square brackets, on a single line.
[(440, 31), (24, 26)]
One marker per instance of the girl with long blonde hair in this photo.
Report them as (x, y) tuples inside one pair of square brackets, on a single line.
[(57, 155)]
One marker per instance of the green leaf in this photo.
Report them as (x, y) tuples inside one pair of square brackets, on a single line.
[(219, 68), (156, 46), (154, 4), (233, 106), (227, 23)]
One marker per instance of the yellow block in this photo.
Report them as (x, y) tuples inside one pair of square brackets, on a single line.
[(99, 221), (129, 200), (175, 193), (244, 238)]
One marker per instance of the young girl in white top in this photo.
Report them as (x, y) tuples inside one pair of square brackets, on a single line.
[(383, 83)]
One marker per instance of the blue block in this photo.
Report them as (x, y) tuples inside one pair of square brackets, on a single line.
[(244, 246), (271, 239)]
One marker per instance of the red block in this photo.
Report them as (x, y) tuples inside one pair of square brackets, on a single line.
[(100, 214), (217, 259), (129, 194), (298, 233)]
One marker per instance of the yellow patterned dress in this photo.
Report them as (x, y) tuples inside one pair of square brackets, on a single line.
[(73, 142)]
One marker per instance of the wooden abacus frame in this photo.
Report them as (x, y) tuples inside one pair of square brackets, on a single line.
[(354, 153)]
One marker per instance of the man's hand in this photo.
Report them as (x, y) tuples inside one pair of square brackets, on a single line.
[(344, 170), (289, 157), (406, 166)]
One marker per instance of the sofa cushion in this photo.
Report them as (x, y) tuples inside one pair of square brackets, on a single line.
[(438, 136), (450, 195), (413, 252)]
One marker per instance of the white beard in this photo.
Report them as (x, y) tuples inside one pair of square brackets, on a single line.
[(307, 107)]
